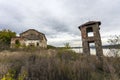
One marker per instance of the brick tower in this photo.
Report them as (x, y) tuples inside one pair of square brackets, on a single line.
[(91, 27)]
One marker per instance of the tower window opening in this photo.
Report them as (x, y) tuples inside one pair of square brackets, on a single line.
[(92, 48), (90, 32)]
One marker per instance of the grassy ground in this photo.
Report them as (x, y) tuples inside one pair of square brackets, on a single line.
[(56, 64)]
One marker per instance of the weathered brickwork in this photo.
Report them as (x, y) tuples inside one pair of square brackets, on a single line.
[(91, 26)]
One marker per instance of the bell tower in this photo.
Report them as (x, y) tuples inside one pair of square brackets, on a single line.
[(93, 28)]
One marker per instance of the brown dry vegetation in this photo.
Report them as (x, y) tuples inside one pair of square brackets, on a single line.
[(56, 64)]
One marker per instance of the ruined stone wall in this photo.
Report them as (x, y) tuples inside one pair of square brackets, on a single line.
[(44, 43), (31, 38), (13, 41)]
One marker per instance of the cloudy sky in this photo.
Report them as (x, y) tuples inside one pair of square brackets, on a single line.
[(59, 19)]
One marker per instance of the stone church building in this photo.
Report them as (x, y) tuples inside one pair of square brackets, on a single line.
[(30, 37)]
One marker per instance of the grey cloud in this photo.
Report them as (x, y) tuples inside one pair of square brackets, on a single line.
[(54, 17), (57, 25)]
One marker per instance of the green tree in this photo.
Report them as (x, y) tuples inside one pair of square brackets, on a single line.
[(5, 37)]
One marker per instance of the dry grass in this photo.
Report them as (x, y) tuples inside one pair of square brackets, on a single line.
[(56, 65)]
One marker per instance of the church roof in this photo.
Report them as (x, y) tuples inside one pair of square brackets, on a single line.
[(34, 37)]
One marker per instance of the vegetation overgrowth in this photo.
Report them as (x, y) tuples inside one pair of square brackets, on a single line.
[(56, 64), (5, 38)]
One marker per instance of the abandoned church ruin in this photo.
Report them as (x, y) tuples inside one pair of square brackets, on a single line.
[(30, 37), (93, 28)]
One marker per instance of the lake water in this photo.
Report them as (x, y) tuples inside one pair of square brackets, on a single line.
[(106, 52)]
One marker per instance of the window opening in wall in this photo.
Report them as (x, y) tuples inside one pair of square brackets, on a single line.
[(90, 32), (37, 44), (17, 43), (31, 44), (92, 48)]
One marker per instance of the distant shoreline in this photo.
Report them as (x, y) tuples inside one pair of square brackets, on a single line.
[(104, 47)]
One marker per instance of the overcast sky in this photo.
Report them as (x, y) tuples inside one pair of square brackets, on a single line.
[(59, 19)]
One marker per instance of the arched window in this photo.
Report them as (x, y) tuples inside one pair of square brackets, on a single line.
[(37, 44), (17, 42)]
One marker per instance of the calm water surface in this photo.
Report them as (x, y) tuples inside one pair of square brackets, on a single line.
[(93, 51)]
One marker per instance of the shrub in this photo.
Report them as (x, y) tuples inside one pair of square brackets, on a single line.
[(65, 65)]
